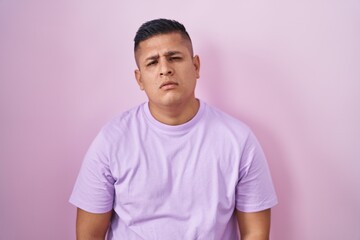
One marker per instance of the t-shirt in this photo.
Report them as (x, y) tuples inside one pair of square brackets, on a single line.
[(174, 182)]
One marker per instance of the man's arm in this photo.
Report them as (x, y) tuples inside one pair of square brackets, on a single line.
[(92, 226), (255, 225)]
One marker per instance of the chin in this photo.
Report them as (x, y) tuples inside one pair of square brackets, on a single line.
[(172, 99)]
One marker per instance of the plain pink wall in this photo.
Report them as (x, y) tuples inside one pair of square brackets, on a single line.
[(289, 69)]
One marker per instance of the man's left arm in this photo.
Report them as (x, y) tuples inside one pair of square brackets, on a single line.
[(254, 225)]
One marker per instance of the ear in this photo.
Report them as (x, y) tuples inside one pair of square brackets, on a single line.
[(138, 79), (196, 62)]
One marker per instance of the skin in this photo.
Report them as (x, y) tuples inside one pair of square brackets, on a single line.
[(91, 226), (167, 58), (168, 72), (254, 226)]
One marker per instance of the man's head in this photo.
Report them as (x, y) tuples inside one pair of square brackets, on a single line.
[(160, 26), (167, 69)]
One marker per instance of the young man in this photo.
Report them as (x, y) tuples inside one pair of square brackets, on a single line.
[(173, 167)]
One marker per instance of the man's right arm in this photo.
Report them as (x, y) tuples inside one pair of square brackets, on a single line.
[(92, 226)]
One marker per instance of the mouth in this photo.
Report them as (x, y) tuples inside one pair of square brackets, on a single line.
[(168, 85)]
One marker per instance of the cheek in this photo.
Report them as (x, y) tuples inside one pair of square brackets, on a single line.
[(150, 85), (149, 79), (192, 75)]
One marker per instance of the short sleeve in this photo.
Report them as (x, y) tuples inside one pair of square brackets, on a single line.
[(254, 191), (94, 187)]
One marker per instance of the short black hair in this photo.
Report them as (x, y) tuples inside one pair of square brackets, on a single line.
[(159, 26)]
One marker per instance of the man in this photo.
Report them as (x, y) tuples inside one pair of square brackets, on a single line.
[(173, 167)]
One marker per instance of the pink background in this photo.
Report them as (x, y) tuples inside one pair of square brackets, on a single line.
[(289, 69)]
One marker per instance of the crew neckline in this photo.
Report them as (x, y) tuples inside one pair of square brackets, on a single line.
[(173, 128)]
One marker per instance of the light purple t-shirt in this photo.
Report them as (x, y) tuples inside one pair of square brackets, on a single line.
[(174, 182)]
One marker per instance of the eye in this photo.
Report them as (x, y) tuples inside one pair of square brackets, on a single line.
[(151, 63), (176, 58)]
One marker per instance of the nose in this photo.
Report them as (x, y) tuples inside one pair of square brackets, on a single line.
[(166, 69)]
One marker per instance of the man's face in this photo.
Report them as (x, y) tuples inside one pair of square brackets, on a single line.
[(167, 70)]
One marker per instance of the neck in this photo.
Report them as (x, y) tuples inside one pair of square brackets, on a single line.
[(175, 114)]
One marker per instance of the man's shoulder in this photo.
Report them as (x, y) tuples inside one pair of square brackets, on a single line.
[(225, 119), (124, 121), (127, 115)]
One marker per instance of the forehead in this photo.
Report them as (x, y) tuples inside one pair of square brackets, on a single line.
[(161, 44)]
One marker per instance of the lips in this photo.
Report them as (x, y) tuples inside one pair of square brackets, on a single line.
[(168, 84)]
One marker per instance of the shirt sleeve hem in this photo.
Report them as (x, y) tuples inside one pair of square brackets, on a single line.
[(88, 208), (257, 208)]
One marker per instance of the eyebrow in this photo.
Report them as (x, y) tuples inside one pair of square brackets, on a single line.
[(167, 54)]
